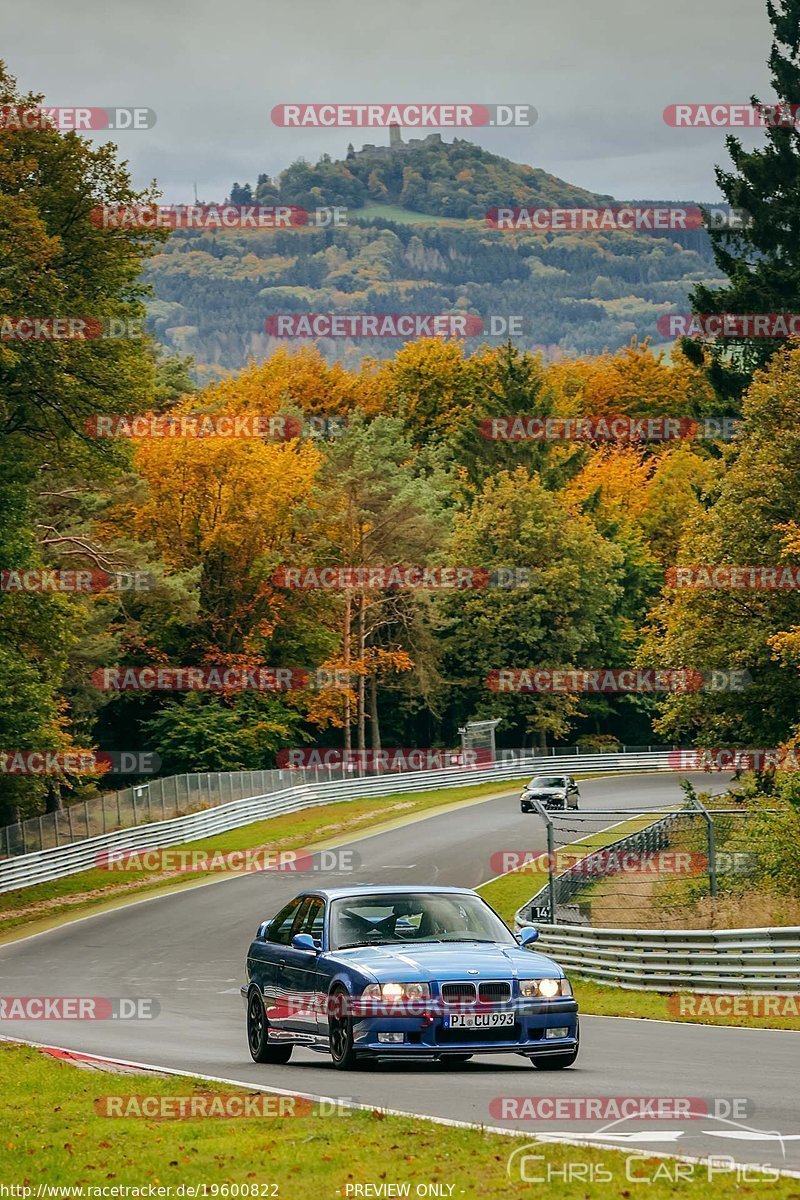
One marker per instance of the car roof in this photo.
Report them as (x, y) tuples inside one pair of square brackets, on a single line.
[(386, 889)]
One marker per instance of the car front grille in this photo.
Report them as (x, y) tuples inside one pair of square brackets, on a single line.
[(458, 993), (490, 992), (494, 992)]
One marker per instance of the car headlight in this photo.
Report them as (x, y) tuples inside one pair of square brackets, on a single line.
[(546, 988), (396, 991)]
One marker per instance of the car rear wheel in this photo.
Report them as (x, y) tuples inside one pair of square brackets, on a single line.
[(340, 1033), (262, 1050)]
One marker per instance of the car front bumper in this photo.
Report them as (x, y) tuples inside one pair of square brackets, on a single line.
[(423, 1035)]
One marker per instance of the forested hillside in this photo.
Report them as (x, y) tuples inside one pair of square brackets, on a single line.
[(574, 292)]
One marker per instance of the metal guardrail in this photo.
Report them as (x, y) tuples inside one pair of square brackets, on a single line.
[(309, 791), (687, 960), (177, 795), (662, 960)]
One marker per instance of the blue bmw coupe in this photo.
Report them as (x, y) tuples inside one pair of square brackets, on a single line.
[(374, 971)]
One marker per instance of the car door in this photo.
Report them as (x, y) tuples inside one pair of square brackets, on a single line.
[(297, 976), (266, 955)]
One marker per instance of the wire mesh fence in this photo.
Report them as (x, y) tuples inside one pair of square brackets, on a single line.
[(694, 868)]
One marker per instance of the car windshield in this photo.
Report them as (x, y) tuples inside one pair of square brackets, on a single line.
[(424, 917), (548, 781)]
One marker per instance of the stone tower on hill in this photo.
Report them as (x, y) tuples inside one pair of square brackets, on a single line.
[(396, 145)]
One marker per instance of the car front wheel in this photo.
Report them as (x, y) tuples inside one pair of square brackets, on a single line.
[(555, 1062), (340, 1033), (262, 1050)]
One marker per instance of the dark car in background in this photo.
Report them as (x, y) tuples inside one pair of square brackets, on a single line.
[(552, 791)]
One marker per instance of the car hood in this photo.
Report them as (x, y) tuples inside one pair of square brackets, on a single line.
[(446, 960)]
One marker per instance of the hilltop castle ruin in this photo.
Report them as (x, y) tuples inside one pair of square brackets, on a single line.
[(396, 146)]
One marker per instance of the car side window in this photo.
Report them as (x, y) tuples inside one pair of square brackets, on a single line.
[(311, 920), (280, 929)]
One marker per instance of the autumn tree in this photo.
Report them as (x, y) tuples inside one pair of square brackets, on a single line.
[(56, 263), (564, 616), (750, 522)]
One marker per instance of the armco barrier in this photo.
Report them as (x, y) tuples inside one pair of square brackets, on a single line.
[(44, 865), (687, 960)]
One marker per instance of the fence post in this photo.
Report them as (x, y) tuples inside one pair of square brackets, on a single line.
[(119, 812), (8, 841), (86, 816), (41, 835), (69, 822), (24, 838), (103, 808), (551, 858), (712, 849)]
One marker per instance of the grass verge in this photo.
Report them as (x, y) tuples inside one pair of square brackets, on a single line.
[(605, 1000), (53, 1134), (50, 903)]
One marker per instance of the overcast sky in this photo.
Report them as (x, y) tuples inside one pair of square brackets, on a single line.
[(599, 75)]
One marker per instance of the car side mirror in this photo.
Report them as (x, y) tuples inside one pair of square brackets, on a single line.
[(261, 936), (527, 935), (304, 941)]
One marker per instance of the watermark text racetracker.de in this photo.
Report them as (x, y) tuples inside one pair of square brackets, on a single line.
[(732, 116), (240, 217), (388, 758), (269, 427), (630, 218), (729, 325), (410, 115), (400, 577), (74, 119), (600, 680), (695, 1006), (79, 762), (209, 1105), (724, 577), (219, 679), (616, 1108), (78, 1008), (78, 581), (73, 328), (236, 862), (392, 325), (528, 428), (740, 758), (601, 863)]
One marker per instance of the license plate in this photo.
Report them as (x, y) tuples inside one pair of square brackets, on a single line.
[(478, 1020)]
